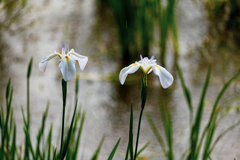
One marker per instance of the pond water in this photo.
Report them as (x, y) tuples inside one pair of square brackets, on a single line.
[(48, 24)]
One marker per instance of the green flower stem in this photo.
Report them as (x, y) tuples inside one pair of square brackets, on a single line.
[(139, 124), (64, 94), (143, 98)]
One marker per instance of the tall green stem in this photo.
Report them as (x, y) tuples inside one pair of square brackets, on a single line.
[(64, 94), (139, 124), (143, 99)]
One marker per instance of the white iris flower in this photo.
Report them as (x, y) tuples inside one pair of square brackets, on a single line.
[(147, 66), (66, 63)]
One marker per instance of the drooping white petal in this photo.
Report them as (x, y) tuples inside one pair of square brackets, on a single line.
[(127, 70), (67, 67), (43, 64), (166, 79), (82, 60)]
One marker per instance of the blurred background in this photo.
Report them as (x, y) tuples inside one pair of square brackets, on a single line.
[(113, 34)]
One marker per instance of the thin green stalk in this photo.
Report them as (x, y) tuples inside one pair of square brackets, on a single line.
[(63, 117), (64, 94), (66, 143), (130, 141), (139, 124), (143, 98)]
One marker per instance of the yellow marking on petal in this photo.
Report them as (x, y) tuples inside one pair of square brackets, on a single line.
[(157, 67), (144, 69), (57, 54), (67, 59)]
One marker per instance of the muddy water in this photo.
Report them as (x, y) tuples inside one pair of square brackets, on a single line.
[(47, 25)]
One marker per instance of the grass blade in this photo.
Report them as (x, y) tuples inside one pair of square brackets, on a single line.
[(212, 121), (223, 134), (8, 89), (79, 135), (49, 141), (185, 91), (156, 133), (96, 153), (220, 95), (29, 68), (41, 131), (13, 149), (63, 153), (196, 127), (142, 149), (126, 156), (167, 123), (114, 150), (29, 142), (24, 119), (131, 133)]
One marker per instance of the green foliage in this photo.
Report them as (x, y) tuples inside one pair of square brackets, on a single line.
[(136, 21), (29, 67), (134, 155), (42, 150), (130, 140), (186, 92), (96, 153), (8, 127), (144, 147), (157, 134), (196, 139), (196, 126), (143, 91), (11, 11), (166, 119), (114, 150)]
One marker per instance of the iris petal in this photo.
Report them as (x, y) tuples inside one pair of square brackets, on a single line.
[(150, 70), (43, 64), (127, 70), (67, 67), (166, 79), (82, 60)]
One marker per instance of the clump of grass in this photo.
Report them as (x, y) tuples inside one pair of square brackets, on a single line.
[(8, 147), (44, 149), (136, 23), (196, 139), (130, 148)]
